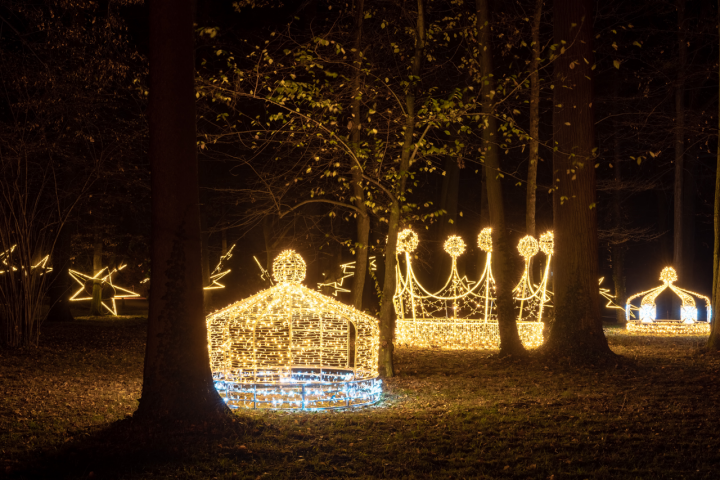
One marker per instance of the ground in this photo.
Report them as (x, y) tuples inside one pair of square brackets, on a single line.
[(64, 411)]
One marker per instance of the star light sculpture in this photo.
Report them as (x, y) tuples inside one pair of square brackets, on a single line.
[(290, 347), (462, 314), (104, 276), (647, 312)]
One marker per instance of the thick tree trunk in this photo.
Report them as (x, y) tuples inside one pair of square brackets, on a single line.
[(534, 122), (577, 330), (714, 340), (387, 317), (510, 343), (679, 143), (96, 307), (362, 220), (177, 382)]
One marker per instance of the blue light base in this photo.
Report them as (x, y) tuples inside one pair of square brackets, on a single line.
[(305, 389)]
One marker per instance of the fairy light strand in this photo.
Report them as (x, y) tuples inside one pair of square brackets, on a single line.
[(106, 279)]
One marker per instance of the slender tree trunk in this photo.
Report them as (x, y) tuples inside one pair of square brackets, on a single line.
[(714, 340), (534, 122), (679, 142), (177, 382), (448, 222), (363, 220), (96, 307), (205, 258), (618, 250), (60, 290), (387, 318), (577, 330), (224, 244), (510, 343)]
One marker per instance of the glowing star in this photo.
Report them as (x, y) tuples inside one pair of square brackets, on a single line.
[(461, 315), (348, 270), (533, 298), (648, 321), (106, 279), (290, 347), (218, 273)]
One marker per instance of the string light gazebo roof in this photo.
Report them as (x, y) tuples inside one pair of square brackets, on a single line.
[(289, 347), (461, 314), (647, 312)]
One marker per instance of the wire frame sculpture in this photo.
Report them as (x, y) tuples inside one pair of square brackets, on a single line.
[(646, 320), (533, 299), (290, 347), (462, 314)]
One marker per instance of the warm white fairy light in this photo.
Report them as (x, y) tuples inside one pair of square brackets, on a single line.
[(462, 314), (219, 273), (533, 298), (454, 246), (40, 266), (103, 277), (292, 347), (605, 293), (648, 321), (485, 240)]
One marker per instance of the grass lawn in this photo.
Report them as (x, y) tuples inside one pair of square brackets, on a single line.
[(449, 414)]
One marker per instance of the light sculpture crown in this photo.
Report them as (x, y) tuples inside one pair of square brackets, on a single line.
[(647, 313), (289, 347), (533, 298), (461, 314)]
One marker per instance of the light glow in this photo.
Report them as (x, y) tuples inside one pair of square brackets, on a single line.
[(219, 273), (348, 271), (289, 347), (647, 312), (462, 314)]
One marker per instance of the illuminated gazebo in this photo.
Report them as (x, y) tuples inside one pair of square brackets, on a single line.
[(462, 314), (289, 347), (644, 319)]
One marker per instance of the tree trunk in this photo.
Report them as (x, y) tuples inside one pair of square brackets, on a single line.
[(387, 318), (510, 343), (448, 222), (363, 220), (96, 307), (177, 382), (534, 122), (618, 249), (224, 244), (714, 340), (577, 330), (60, 290), (205, 258), (679, 143)]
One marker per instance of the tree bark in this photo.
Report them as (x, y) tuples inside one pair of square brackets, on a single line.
[(448, 222), (96, 308), (387, 318), (205, 258), (679, 143), (363, 220), (534, 122), (714, 340), (510, 343), (577, 330), (60, 289), (618, 249), (177, 381)]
